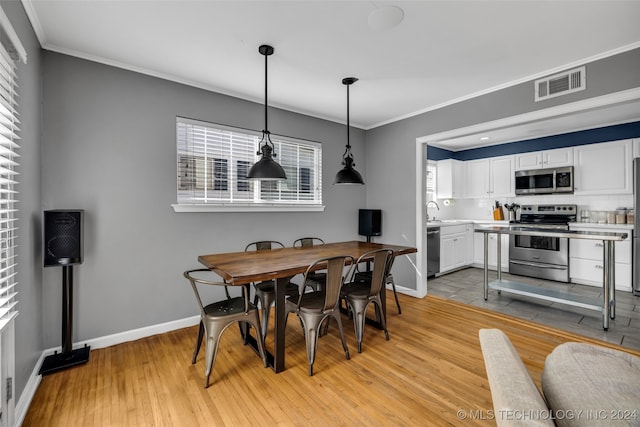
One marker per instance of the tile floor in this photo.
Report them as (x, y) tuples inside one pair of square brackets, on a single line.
[(466, 286)]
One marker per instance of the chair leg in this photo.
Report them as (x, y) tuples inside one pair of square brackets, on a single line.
[(255, 322), (198, 343), (265, 307), (378, 304), (395, 293), (358, 308), (336, 315), (214, 331), (311, 327)]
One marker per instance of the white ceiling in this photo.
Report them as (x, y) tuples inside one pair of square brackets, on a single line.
[(441, 52)]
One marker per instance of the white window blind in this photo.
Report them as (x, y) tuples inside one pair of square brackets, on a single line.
[(213, 162), (9, 129)]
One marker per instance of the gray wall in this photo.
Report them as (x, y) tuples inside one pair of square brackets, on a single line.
[(29, 320), (391, 149), (104, 141), (109, 148)]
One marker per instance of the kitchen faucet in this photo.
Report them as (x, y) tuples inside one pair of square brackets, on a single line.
[(437, 207)]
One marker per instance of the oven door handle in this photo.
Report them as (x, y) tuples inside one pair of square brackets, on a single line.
[(537, 264)]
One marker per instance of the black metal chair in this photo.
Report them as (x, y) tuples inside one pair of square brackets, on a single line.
[(216, 317), (265, 292), (313, 308), (359, 294), (316, 279)]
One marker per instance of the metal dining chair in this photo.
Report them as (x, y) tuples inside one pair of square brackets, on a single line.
[(316, 279), (365, 276), (217, 316), (313, 308), (265, 292), (359, 294)]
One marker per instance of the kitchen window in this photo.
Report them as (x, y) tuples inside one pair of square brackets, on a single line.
[(213, 162), (431, 184)]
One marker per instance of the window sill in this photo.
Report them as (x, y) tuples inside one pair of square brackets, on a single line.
[(248, 208)]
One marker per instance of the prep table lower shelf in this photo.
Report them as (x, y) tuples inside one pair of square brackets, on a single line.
[(552, 295), (606, 306)]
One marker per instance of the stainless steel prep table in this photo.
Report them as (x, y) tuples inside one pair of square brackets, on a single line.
[(607, 307)]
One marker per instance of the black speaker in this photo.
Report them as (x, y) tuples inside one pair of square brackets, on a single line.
[(370, 222), (63, 237)]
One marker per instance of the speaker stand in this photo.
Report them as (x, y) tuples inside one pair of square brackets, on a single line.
[(68, 357)]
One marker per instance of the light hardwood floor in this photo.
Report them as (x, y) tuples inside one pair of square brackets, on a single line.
[(431, 372)]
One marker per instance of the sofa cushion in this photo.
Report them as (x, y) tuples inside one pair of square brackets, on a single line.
[(591, 385), (516, 399)]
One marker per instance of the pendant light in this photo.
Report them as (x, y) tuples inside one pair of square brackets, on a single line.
[(266, 169), (348, 175)]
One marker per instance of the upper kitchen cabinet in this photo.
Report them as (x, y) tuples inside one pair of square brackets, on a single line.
[(492, 177), (545, 159), (603, 168), (450, 180)]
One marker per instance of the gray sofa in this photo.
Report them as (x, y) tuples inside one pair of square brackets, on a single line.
[(582, 385)]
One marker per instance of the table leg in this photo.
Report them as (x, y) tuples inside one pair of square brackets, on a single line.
[(486, 265), (279, 325), (606, 277), (612, 280), (499, 256)]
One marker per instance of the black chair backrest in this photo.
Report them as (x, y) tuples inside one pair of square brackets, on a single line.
[(335, 278), (264, 245), (308, 242), (382, 262)]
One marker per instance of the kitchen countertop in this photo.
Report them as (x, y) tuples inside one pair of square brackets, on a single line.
[(523, 230), (601, 226), (452, 222)]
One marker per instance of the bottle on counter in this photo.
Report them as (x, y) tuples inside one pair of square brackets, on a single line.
[(621, 216)]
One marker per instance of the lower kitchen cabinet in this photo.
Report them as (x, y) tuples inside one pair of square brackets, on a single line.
[(586, 259), (453, 247)]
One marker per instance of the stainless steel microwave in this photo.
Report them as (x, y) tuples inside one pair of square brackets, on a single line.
[(545, 181)]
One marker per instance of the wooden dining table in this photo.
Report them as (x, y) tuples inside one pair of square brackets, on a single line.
[(280, 265)]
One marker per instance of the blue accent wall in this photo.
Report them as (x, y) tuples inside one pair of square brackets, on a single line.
[(591, 136), (435, 153)]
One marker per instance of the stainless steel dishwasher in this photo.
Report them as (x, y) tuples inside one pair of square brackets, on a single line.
[(433, 251)]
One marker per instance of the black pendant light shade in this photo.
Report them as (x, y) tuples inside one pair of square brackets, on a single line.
[(266, 169), (348, 175)]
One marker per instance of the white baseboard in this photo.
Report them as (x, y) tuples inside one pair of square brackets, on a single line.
[(22, 406)]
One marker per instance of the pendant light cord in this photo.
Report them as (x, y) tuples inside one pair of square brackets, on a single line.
[(266, 126)]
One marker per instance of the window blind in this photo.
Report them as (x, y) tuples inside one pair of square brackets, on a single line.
[(9, 130), (213, 162), (431, 178)]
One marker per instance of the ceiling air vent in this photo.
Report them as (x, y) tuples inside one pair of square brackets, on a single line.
[(561, 84)]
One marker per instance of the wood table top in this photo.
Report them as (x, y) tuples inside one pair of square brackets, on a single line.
[(239, 268)]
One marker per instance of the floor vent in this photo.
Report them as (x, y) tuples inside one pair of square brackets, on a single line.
[(560, 84)]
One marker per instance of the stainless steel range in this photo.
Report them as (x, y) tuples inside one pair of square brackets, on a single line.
[(542, 257)]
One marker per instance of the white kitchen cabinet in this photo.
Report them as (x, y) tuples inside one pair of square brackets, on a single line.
[(453, 247), (477, 179), (502, 176), (470, 243), (478, 251), (544, 159), (586, 258), (493, 177), (604, 168), (450, 179)]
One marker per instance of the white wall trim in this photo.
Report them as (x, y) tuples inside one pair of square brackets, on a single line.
[(526, 79), (536, 116), (247, 208), (421, 279), (30, 389)]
